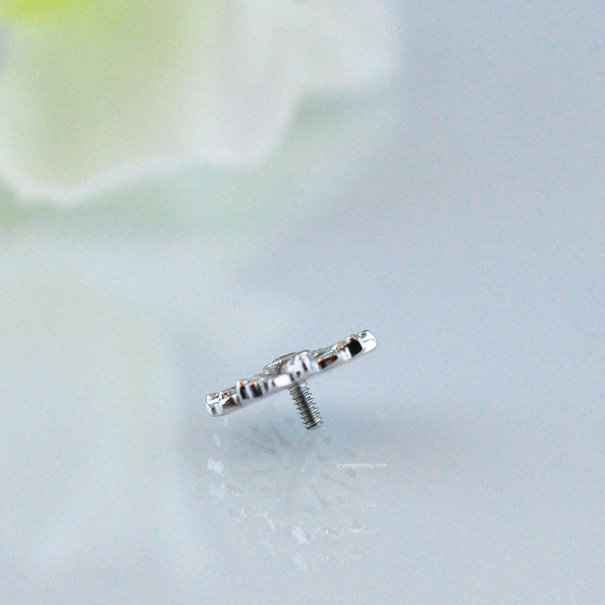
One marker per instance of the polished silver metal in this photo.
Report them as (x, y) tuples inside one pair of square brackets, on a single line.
[(291, 372)]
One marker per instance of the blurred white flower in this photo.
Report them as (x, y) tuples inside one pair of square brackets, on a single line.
[(94, 411), (115, 317), (97, 93)]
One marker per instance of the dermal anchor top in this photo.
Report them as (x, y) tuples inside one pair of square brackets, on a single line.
[(291, 372)]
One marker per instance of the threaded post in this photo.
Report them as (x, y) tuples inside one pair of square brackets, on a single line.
[(306, 406)]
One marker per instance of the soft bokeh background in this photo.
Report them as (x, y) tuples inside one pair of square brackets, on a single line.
[(457, 211)]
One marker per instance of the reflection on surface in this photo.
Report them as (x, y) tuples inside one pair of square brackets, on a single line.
[(297, 493)]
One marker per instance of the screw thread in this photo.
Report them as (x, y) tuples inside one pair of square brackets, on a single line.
[(306, 406)]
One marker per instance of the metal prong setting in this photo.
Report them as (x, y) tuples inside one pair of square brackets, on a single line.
[(291, 372)]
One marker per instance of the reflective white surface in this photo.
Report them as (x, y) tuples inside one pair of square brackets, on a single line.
[(464, 460), (483, 276)]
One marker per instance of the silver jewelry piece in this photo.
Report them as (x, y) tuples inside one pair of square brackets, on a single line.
[(291, 372)]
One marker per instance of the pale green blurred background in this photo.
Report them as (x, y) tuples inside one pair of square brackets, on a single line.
[(458, 212)]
